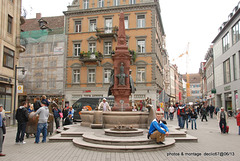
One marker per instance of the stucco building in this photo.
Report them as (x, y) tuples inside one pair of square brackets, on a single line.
[(91, 29), (226, 51), (10, 16)]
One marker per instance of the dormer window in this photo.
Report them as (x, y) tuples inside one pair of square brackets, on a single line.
[(42, 24)]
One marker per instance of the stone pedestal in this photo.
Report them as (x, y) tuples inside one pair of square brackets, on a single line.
[(97, 120)]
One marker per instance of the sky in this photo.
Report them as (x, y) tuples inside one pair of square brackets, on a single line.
[(185, 21)]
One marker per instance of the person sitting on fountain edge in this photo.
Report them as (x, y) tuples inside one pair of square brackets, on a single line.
[(158, 129)]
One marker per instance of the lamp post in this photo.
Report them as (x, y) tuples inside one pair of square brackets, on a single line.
[(15, 90)]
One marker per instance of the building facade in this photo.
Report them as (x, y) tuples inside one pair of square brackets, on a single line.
[(209, 75), (10, 16), (226, 50), (195, 87), (91, 29), (44, 58)]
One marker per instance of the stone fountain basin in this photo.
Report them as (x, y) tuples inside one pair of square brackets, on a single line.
[(112, 118), (123, 132)]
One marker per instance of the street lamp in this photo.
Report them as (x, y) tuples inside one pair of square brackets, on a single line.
[(15, 90)]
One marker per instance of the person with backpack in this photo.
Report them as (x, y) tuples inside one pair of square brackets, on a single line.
[(22, 119)]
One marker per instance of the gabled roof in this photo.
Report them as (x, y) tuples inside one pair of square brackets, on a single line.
[(52, 23)]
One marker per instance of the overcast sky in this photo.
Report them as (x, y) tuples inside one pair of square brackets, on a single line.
[(193, 21)]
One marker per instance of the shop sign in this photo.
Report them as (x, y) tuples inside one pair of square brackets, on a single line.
[(20, 89), (227, 88), (5, 79)]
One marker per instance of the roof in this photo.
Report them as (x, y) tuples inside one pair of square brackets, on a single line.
[(52, 23), (194, 78)]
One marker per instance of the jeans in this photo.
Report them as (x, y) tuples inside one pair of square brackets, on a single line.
[(171, 116), (166, 115), (57, 121), (181, 122), (41, 127), (185, 121), (21, 132), (193, 120)]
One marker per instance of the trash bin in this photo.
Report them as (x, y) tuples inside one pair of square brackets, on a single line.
[(8, 120)]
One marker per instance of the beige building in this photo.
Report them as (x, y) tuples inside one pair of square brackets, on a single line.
[(91, 29), (10, 21)]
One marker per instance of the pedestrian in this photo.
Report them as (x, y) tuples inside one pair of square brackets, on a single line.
[(222, 118), (211, 110), (65, 114), (193, 115), (2, 129), (56, 113), (238, 120), (166, 109), (31, 108), (185, 115), (158, 129), (68, 120), (42, 121), (171, 112), (71, 112), (22, 119), (104, 106), (181, 114), (204, 113), (37, 103)]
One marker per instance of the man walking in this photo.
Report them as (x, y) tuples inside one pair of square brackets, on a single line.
[(158, 130), (22, 119), (211, 109), (2, 130), (222, 118), (42, 121)]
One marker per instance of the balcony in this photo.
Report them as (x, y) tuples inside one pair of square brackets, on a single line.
[(91, 56), (107, 32)]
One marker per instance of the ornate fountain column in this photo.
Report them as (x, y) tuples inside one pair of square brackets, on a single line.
[(121, 62)]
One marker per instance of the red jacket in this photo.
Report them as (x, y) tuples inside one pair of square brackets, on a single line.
[(238, 119)]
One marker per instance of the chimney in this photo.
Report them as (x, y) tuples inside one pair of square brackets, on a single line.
[(38, 16)]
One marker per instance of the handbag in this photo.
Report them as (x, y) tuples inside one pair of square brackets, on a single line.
[(61, 114)]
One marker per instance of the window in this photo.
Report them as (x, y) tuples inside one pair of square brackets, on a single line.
[(78, 26), (116, 2), (234, 67), (107, 75), (40, 48), (10, 19), (92, 47), (141, 46), (132, 1), (126, 22), (225, 42), (76, 76), (8, 58), (93, 25), (140, 21), (236, 32), (6, 96), (107, 48), (91, 75), (77, 49), (108, 25), (226, 71), (100, 3), (38, 84), (52, 83), (85, 4), (141, 74)]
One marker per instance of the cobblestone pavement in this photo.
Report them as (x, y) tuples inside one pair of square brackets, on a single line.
[(212, 145)]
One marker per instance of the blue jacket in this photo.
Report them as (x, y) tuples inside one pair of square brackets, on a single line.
[(155, 125), (56, 112)]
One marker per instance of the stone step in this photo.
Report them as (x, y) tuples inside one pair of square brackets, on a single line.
[(177, 134), (187, 138), (121, 148), (71, 134), (92, 138), (96, 126), (58, 138), (119, 133)]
